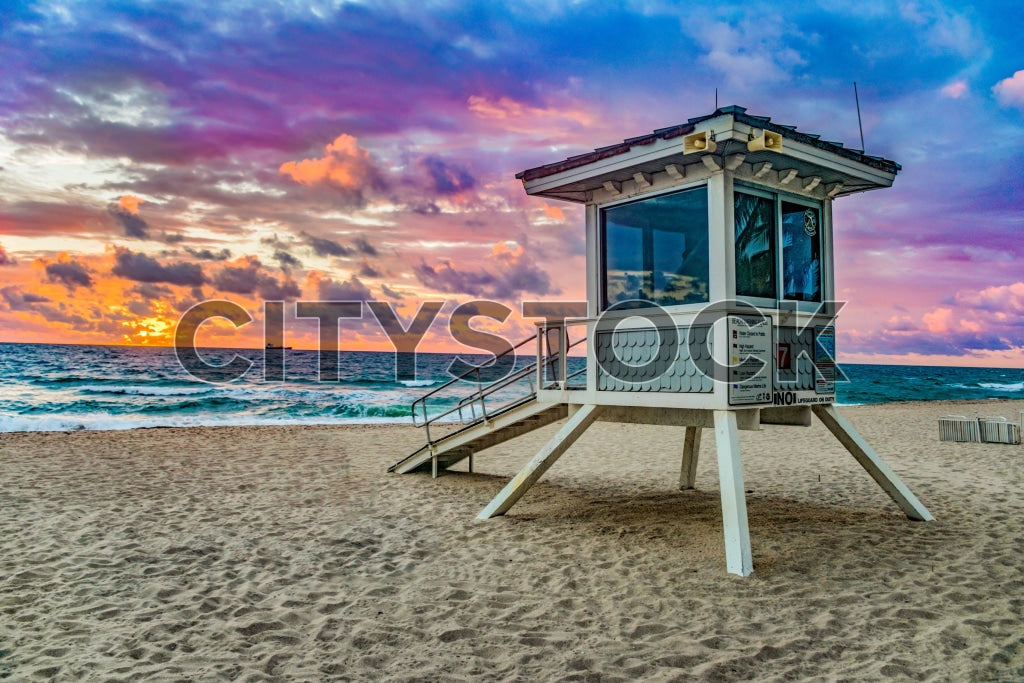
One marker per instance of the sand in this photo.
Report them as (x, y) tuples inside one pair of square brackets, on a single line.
[(287, 553)]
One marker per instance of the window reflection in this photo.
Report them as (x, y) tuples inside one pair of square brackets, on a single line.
[(801, 252), (656, 250), (755, 246)]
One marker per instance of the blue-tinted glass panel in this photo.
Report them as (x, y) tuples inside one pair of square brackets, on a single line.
[(801, 252), (755, 246), (624, 263), (656, 250)]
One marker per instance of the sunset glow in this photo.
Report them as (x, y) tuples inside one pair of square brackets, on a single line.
[(155, 157)]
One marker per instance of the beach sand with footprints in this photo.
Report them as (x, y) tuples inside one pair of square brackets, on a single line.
[(288, 553)]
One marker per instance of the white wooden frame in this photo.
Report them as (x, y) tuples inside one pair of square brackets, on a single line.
[(695, 411)]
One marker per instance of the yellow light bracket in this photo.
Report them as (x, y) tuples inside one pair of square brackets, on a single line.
[(766, 141)]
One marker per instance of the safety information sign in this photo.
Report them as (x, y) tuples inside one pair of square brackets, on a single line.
[(750, 360)]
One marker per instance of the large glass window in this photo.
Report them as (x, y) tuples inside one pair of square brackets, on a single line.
[(801, 252), (656, 250), (755, 246)]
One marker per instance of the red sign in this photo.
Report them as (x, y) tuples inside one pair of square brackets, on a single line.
[(783, 356)]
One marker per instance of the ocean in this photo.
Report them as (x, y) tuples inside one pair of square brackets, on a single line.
[(52, 387)]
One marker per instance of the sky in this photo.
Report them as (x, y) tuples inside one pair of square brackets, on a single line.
[(157, 155)]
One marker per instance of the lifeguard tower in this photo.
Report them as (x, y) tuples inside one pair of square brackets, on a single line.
[(710, 304)]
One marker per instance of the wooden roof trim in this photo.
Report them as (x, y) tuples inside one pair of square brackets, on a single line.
[(740, 116)]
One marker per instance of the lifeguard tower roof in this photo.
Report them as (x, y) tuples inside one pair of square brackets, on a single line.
[(845, 169)]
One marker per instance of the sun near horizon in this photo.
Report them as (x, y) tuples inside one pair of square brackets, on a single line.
[(145, 170)]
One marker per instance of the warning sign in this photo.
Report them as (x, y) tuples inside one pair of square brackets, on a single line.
[(750, 360)]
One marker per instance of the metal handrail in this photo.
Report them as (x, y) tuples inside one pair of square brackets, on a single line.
[(575, 374), (474, 370), (526, 371), (482, 392)]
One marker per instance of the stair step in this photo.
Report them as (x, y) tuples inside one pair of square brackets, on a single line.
[(479, 436)]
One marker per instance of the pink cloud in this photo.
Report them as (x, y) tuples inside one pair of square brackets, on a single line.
[(518, 117), (1001, 300), (971, 323), (955, 90), (1010, 91), (939, 321)]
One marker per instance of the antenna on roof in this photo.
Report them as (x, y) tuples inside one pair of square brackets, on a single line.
[(716, 99), (856, 99)]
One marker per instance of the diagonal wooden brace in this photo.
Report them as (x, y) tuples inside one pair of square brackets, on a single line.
[(861, 450), (540, 463)]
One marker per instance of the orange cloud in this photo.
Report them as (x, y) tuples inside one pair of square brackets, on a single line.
[(507, 251), (130, 203), (553, 212), (344, 164)]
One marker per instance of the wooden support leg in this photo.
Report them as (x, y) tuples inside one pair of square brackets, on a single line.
[(691, 451), (738, 558), (878, 469), (540, 463)]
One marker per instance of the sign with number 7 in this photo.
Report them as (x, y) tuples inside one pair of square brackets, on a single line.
[(783, 356)]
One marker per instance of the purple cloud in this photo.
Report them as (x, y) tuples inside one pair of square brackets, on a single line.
[(133, 224), (18, 300), (363, 246), (286, 260), (514, 279), (348, 290), (252, 279), (13, 298), (326, 247), (447, 178), (150, 291), (208, 255), (142, 268), (69, 273)]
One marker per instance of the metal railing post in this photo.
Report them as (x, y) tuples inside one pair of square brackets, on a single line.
[(563, 353), (480, 390), (426, 424), (540, 356), (481, 393)]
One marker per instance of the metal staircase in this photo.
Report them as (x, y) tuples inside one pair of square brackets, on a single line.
[(506, 424), (490, 414)]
